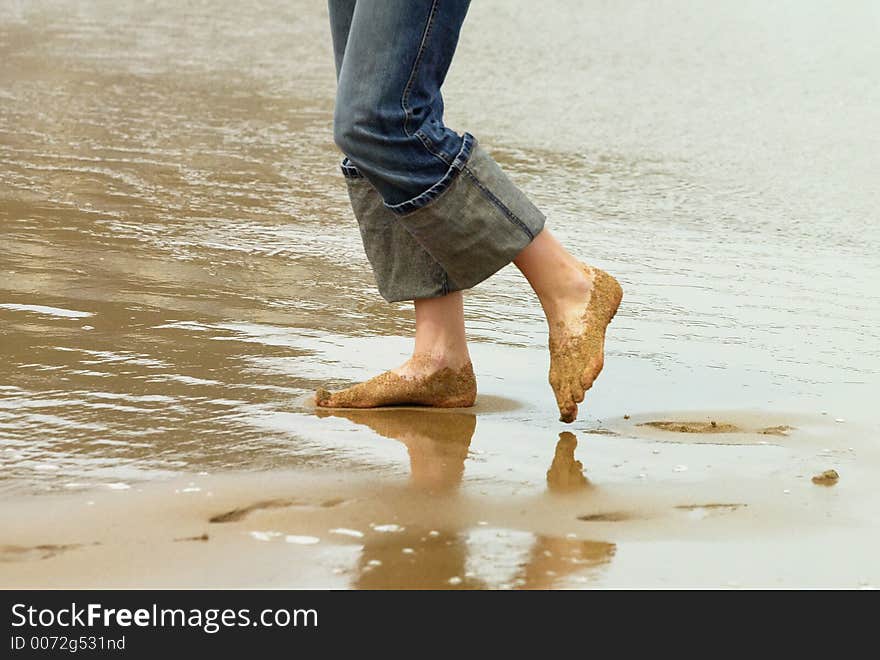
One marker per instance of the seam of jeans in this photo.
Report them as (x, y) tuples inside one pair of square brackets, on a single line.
[(431, 194), (412, 74), (426, 142), (498, 203)]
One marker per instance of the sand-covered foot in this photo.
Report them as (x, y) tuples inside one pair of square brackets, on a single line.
[(415, 384), (577, 340)]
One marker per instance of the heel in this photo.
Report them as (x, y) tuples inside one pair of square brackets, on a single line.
[(608, 293)]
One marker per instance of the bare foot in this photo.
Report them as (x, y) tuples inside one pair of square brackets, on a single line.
[(577, 338), (421, 381)]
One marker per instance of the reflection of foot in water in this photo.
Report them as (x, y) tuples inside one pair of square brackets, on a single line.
[(553, 558), (566, 474), (577, 338), (420, 381), (437, 442)]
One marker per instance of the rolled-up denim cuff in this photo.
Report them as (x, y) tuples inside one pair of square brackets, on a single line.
[(409, 206), (478, 224), (403, 269)]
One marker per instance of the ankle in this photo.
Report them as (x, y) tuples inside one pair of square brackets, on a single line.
[(436, 359), (570, 289)]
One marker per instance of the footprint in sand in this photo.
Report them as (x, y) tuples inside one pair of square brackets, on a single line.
[(608, 516), (12, 553), (713, 430), (697, 511), (240, 513)]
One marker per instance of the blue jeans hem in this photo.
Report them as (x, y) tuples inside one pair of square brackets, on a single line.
[(455, 168), (350, 171)]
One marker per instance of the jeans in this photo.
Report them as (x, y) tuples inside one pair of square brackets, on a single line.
[(435, 211)]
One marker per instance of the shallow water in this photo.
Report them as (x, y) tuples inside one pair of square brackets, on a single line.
[(179, 267)]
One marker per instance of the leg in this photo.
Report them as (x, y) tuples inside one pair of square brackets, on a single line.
[(400, 156), (443, 189), (438, 374), (388, 118), (341, 13), (403, 269), (450, 195), (579, 302)]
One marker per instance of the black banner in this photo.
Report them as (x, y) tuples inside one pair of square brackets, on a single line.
[(234, 623)]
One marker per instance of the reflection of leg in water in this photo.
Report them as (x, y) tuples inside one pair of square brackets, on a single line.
[(418, 558), (437, 442), (553, 558), (566, 474), (414, 559)]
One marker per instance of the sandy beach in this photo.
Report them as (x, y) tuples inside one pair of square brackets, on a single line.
[(180, 271), (740, 507)]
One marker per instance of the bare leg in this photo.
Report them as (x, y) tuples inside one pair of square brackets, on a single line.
[(439, 373), (579, 301), (440, 336)]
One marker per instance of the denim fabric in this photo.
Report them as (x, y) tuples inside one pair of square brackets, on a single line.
[(391, 59), (403, 268), (435, 211), (478, 225)]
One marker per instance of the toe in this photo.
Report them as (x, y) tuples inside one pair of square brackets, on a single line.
[(564, 390), (558, 389), (568, 412), (587, 379), (567, 404), (591, 372), (577, 390), (323, 398)]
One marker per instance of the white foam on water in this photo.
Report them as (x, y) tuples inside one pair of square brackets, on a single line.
[(302, 540), (342, 531), (43, 309)]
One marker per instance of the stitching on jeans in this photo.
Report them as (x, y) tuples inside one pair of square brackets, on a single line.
[(434, 192), (497, 202), (412, 74), (435, 152)]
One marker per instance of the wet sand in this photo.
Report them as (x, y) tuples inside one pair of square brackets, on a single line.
[(676, 511), (180, 272)]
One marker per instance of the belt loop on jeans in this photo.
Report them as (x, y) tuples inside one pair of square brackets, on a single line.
[(349, 171)]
